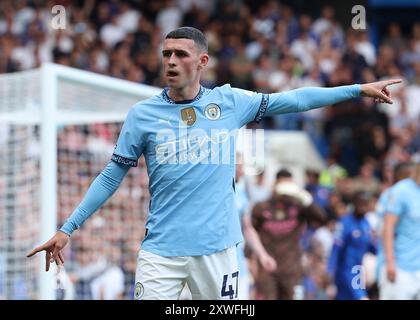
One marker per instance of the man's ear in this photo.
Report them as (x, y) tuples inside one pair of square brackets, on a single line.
[(204, 59)]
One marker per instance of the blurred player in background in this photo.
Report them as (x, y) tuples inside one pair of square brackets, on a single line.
[(280, 222), (400, 279), (401, 171), (193, 227), (353, 239), (252, 239)]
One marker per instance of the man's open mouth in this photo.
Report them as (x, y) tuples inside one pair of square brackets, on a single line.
[(172, 73)]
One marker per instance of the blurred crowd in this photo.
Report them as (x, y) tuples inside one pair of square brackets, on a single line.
[(264, 46)]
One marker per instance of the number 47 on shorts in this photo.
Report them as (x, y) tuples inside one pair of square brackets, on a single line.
[(231, 291)]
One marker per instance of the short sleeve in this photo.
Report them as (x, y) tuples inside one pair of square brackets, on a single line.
[(130, 143), (249, 106)]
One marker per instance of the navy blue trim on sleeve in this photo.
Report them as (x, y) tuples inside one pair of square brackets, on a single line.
[(123, 160), (263, 108)]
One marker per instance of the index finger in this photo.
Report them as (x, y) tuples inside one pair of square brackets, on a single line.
[(392, 81), (36, 250)]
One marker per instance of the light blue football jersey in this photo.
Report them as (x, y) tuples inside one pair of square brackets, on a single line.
[(404, 202), (189, 148)]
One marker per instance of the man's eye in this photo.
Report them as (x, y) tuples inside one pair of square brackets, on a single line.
[(166, 54), (181, 54)]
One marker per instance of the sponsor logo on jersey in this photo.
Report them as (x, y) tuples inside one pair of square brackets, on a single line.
[(194, 147)]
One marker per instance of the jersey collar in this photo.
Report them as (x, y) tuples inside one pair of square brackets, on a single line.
[(165, 96)]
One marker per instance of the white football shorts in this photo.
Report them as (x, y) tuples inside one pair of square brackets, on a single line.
[(405, 287), (212, 277)]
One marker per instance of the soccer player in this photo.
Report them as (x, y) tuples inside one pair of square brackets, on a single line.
[(252, 239), (401, 171), (280, 222), (400, 280), (353, 239), (186, 134)]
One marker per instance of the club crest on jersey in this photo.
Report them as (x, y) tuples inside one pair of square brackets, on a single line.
[(138, 291), (188, 116), (212, 111), (356, 233)]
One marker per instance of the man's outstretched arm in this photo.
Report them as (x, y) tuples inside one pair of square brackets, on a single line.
[(305, 99), (99, 191)]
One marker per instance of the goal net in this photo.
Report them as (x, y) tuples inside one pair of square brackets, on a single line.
[(58, 128)]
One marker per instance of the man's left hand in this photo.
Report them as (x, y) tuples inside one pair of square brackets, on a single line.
[(378, 90)]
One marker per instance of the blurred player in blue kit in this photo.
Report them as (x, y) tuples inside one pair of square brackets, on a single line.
[(353, 239), (187, 136)]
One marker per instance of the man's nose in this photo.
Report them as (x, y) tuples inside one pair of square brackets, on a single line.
[(172, 60)]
